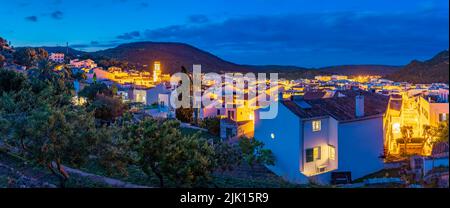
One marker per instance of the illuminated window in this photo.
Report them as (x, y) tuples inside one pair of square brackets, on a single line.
[(316, 125), (316, 153), (332, 152), (396, 128), (443, 117)]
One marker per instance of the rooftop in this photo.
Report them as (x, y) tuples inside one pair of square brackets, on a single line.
[(341, 108)]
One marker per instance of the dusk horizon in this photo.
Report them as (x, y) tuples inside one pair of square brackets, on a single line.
[(301, 33)]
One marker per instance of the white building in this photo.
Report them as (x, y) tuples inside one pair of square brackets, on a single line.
[(314, 140), (56, 57), (88, 63)]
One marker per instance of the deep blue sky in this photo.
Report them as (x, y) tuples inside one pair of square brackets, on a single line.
[(310, 33)]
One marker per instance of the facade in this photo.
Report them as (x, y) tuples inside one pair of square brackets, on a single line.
[(157, 71), (88, 63), (56, 57), (312, 139), (152, 94)]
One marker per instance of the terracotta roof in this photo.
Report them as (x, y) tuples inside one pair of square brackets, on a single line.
[(311, 95), (314, 111), (340, 108)]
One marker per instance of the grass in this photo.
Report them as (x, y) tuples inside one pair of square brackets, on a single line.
[(40, 173)]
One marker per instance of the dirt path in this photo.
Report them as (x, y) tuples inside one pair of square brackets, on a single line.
[(109, 181)]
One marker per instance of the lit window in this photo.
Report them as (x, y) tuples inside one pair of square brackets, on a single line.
[(316, 125), (332, 152), (396, 128), (443, 117), (316, 153)]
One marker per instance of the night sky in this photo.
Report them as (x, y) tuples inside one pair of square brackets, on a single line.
[(287, 32)]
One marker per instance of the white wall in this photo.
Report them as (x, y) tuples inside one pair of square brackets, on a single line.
[(360, 145), (285, 145), (153, 93)]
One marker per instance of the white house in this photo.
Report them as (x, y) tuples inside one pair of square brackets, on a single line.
[(315, 140), (152, 94), (56, 57)]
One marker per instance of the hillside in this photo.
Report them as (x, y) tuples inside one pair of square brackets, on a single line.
[(175, 55), (434, 70), (60, 49), (171, 55)]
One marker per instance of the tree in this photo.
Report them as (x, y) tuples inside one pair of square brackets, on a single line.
[(437, 134), (254, 153), (113, 150), (186, 114), (29, 57), (227, 155), (442, 132), (42, 54), (212, 124), (91, 91), (407, 132), (11, 81), (54, 136), (25, 57), (2, 60), (43, 124), (163, 151), (107, 108)]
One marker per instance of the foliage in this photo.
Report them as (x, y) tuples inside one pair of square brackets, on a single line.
[(437, 134), (11, 81), (113, 150), (185, 115), (29, 57), (253, 152), (162, 150), (407, 133), (90, 92), (107, 108), (227, 155), (2, 60), (43, 124), (212, 124)]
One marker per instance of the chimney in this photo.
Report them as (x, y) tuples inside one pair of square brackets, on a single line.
[(359, 108)]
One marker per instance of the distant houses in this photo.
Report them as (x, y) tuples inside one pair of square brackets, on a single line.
[(56, 57)]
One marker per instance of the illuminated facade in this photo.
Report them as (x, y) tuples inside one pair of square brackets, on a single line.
[(415, 109), (156, 72), (56, 57)]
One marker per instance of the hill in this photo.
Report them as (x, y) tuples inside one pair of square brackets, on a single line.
[(431, 71), (171, 55), (60, 49), (175, 55)]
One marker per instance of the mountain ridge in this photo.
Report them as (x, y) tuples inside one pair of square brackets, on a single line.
[(173, 55), (432, 70)]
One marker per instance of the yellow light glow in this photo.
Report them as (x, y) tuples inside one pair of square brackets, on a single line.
[(396, 128), (272, 135)]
